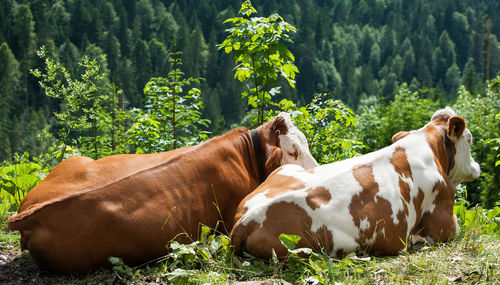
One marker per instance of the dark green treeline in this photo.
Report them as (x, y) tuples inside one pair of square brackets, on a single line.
[(351, 49)]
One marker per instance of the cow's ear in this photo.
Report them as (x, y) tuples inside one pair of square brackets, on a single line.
[(456, 127), (273, 159), (279, 124), (399, 136)]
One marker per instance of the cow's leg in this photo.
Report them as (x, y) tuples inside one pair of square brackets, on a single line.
[(439, 226)]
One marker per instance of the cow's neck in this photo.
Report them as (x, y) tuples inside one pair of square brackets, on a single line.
[(448, 145), (442, 147), (254, 134), (241, 175)]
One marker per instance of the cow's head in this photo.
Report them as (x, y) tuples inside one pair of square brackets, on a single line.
[(462, 165), (457, 140), (284, 143)]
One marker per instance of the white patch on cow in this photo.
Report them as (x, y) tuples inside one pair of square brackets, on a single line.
[(364, 224), (465, 168), (411, 219), (388, 183), (294, 146), (443, 114), (257, 207)]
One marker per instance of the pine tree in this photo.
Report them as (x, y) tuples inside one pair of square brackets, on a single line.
[(143, 66), (10, 77), (111, 48), (24, 35), (452, 81)]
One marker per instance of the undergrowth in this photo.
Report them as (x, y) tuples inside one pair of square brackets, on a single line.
[(473, 257)]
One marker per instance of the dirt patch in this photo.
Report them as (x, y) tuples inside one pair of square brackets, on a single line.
[(20, 268)]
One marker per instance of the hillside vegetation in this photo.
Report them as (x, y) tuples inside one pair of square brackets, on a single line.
[(97, 78)]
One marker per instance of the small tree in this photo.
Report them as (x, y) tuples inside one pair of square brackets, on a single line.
[(172, 115), (116, 127), (329, 127), (260, 53), (84, 117)]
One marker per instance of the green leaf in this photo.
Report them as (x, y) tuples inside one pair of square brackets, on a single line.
[(289, 241), (115, 260), (240, 74)]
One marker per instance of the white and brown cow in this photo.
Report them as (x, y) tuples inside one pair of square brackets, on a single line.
[(372, 203), (131, 206)]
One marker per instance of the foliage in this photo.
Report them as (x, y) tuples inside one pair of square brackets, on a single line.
[(116, 127), (172, 115), (260, 53), (480, 112), (379, 122), (19, 178), (85, 105), (351, 51), (497, 147), (471, 219), (329, 127)]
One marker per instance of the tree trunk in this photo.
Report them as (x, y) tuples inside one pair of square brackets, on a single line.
[(486, 49)]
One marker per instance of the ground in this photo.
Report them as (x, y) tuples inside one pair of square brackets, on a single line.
[(468, 260)]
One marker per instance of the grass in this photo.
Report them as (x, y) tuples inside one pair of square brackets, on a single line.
[(472, 258)]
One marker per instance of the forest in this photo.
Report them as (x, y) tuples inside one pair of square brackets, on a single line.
[(103, 77), (358, 52)]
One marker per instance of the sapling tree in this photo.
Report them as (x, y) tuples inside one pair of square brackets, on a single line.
[(329, 126), (172, 114), (259, 50), (85, 117), (116, 127)]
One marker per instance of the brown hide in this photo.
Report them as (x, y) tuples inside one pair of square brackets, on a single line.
[(131, 206)]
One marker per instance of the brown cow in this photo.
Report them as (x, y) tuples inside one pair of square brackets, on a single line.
[(372, 203), (131, 206)]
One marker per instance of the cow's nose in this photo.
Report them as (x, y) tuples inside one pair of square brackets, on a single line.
[(311, 163), (475, 171)]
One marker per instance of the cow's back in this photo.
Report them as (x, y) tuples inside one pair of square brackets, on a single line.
[(86, 210), (79, 173)]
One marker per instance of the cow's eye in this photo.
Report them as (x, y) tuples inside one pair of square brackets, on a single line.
[(292, 153)]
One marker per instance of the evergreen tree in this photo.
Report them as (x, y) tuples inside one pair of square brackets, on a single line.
[(142, 67), (10, 77), (470, 78), (409, 65), (447, 47), (81, 22), (374, 59), (144, 19), (452, 81), (158, 51), (460, 33), (24, 36), (123, 33), (111, 48), (58, 20)]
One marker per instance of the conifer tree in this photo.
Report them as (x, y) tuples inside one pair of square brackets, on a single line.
[(10, 77)]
